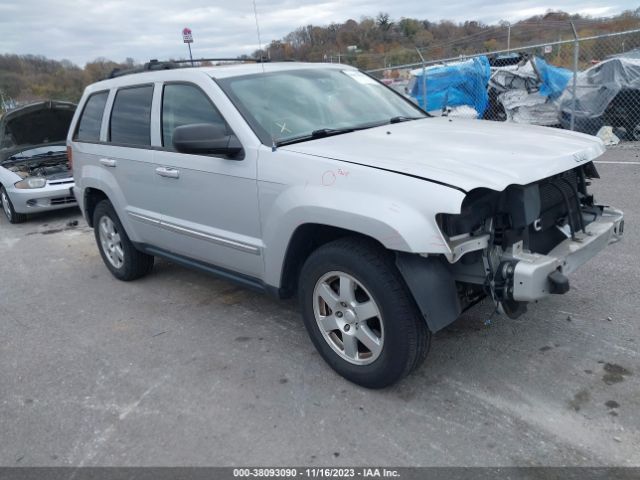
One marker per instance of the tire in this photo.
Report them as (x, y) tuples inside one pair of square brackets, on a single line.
[(400, 340), (118, 253), (7, 208)]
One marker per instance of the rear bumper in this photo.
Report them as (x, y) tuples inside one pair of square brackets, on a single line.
[(50, 197), (530, 279)]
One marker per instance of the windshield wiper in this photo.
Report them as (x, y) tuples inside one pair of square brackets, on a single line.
[(328, 132), (325, 132), (37, 155), (402, 118), (322, 133)]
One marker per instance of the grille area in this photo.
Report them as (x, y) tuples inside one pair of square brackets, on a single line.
[(528, 213), (63, 200), (550, 196), (61, 182), (558, 206)]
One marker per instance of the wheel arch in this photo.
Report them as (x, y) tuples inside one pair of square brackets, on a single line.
[(91, 198), (429, 280), (305, 239)]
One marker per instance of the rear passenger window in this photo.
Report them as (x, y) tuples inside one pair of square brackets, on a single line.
[(183, 105), (131, 116), (91, 118)]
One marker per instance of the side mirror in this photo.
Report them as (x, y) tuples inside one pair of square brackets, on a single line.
[(206, 138)]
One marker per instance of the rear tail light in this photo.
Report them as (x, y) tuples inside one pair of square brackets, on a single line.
[(70, 156)]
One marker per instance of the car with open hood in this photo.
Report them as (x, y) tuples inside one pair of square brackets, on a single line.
[(35, 174), (317, 180)]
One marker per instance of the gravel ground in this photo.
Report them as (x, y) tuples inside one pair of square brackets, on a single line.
[(183, 369)]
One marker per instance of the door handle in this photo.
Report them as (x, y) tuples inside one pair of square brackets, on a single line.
[(108, 162), (168, 172)]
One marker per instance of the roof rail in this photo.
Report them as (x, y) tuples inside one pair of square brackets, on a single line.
[(155, 64)]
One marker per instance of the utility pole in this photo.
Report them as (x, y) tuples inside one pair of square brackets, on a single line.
[(505, 23)]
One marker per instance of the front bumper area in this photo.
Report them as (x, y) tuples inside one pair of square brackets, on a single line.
[(50, 197), (529, 275)]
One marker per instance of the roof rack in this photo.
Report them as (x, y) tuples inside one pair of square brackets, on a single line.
[(155, 64)]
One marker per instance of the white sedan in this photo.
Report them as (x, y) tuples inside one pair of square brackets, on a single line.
[(35, 174)]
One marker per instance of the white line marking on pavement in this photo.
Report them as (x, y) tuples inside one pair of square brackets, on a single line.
[(618, 163)]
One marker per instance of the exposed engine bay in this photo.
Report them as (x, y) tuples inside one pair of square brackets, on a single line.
[(512, 245), (51, 167)]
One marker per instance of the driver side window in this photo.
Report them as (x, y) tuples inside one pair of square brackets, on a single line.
[(184, 104)]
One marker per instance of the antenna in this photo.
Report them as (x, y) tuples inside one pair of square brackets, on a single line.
[(255, 13)]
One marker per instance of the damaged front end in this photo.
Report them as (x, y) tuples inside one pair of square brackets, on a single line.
[(38, 179), (36, 169), (520, 244)]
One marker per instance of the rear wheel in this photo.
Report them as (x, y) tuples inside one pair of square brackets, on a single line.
[(359, 314), (118, 253), (7, 208)]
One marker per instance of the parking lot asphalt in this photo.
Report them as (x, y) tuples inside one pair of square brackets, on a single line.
[(183, 369)]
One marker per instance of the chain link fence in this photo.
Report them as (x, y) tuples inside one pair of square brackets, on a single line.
[(587, 84)]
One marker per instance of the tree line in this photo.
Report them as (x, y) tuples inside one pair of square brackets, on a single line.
[(28, 78), (371, 42), (379, 42)]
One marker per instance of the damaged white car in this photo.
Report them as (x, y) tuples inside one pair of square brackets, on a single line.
[(35, 174)]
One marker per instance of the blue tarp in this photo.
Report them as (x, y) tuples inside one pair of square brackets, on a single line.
[(554, 79), (463, 83)]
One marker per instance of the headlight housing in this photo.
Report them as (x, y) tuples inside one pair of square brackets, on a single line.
[(31, 182)]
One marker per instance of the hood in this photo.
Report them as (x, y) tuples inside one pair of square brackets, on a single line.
[(465, 154), (36, 124)]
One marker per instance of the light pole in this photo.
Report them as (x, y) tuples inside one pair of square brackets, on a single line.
[(424, 80), (505, 23)]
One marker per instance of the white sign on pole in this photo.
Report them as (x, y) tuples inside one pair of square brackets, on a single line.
[(548, 49), (187, 36)]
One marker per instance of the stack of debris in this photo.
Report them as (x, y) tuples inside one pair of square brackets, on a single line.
[(526, 92)]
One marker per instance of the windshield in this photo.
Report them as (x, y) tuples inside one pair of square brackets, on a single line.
[(297, 104)]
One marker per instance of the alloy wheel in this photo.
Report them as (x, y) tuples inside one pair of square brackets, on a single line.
[(348, 317), (110, 242)]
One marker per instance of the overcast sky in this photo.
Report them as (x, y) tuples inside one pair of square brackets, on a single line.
[(82, 30)]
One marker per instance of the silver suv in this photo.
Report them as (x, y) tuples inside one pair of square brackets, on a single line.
[(317, 180)]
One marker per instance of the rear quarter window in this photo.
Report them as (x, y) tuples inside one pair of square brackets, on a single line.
[(91, 119), (131, 116)]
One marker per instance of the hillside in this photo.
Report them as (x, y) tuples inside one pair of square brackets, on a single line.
[(26, 78), (368, 43), (381, 41)]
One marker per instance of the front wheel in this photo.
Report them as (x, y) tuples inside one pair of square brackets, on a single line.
[(118, 253), (7, 208), (359, 313)]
